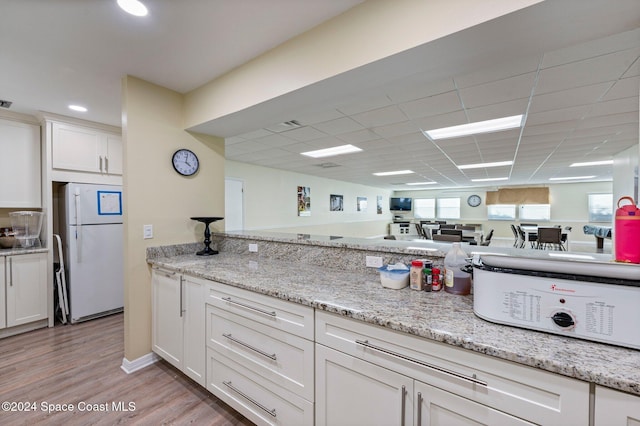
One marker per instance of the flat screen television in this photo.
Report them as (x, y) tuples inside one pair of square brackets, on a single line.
[(400, 204)]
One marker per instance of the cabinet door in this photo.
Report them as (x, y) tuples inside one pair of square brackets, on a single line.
[(616, 408), (76, 148), (438, 407), (3, 302), (26, 288), (350, 391), (20, 146), (166, 311), (113, 155), (194, 329)]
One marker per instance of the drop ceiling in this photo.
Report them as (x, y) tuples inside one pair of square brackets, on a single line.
[(571, 67)]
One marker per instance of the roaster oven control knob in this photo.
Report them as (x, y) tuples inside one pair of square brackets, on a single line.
[(563, 320)]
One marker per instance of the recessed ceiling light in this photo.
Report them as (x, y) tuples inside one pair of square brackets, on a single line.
[(421, 183), (571, 178), (328, 152), (481, 165), (489, 179), (134, 7), (478, 127), (592, 163), (397, 172), (77, 108)]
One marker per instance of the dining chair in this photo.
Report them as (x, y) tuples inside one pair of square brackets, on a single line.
[(517, 242), (564, 237), (451, 232), (448, 238), (533, 238), (447, 226), (487, 240), (550, 237)]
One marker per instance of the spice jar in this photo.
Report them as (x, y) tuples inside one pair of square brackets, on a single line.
[(416, 277), (428, 279), (436, 280)]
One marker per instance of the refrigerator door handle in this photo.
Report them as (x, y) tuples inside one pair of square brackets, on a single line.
[(78, 230)]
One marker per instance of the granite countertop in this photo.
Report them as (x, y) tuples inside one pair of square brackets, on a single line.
[(437, 316)]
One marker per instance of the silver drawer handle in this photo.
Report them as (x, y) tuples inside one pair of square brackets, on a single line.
[(251, 400), (248, 346), (471, 379), (163, 272), (262, 311)]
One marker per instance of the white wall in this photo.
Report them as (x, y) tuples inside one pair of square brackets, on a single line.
[(271, 203)]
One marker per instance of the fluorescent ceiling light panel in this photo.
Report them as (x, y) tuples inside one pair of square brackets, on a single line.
[(592, 163), (134, 7), (328, 152), (572, 177), (397, 172), (489, 179), (483, 165), (77, 108), (478, 127), (421, 183)]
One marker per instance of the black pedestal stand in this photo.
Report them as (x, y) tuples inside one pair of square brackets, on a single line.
[(207, 251)]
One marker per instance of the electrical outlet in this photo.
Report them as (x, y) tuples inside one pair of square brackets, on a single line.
[(253, 248), (373, 261), (147, 231)]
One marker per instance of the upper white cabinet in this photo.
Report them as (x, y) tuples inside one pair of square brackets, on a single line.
[(20, 147), (84, 149)]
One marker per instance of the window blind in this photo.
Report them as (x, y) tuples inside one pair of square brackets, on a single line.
[(518, 196)]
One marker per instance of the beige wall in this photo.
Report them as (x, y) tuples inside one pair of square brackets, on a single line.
[(366, 33), (155, 194)]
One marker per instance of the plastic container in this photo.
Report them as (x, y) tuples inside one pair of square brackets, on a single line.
[(26, 227), (456, 281), (394, 276)]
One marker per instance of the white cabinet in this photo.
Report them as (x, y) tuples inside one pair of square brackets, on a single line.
[(84, 149), (350, 391), (20, 172), (498, 389), (616, 408), (260, 355), (25, 285), (178, 322), (3, 300)]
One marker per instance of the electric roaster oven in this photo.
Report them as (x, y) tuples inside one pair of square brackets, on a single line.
[(597, 301)]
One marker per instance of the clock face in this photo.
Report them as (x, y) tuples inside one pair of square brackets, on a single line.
[(474, 200), (185, 162)]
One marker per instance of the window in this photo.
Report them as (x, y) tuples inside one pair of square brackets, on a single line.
[(424, 208), (600, 207), (501, 212), (535, 212), (448, 208)]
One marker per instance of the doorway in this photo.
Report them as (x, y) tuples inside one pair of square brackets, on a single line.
[(233, 204)]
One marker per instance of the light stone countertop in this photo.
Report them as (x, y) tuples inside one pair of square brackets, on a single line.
[(437, 316)]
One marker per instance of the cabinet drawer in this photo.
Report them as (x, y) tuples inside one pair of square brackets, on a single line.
[(526, 392), (256, 398), (280, 357), (280, 314)]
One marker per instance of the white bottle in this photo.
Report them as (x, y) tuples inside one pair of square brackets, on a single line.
[(456, 281)]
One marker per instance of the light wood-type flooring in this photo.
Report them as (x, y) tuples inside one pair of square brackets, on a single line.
[(80, 365)]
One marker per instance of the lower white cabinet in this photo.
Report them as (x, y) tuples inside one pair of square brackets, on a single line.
[(178, 321), (25, 286), (616, 408), (260, 355), (470, 387)]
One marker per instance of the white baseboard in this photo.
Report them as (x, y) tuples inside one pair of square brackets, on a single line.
[(139, 363)]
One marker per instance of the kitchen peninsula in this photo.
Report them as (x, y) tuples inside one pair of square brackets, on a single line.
[(336, 307)]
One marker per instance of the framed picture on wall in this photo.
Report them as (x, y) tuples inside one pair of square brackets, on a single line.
[(336, 203), (361, 204), (304, 201), (379, 204)]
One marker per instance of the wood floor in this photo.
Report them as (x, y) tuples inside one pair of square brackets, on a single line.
[(80, 365)]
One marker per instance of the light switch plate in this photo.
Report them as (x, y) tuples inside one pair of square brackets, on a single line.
[(147, 232), (253, 248), (374, 261)]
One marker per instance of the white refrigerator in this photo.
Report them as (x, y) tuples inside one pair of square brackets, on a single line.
[(93, 244)]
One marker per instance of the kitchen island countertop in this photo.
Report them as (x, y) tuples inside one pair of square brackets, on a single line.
[(438, 316)]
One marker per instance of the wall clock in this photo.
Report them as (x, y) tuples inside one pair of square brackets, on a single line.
[(185, 162), (474, 200)]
